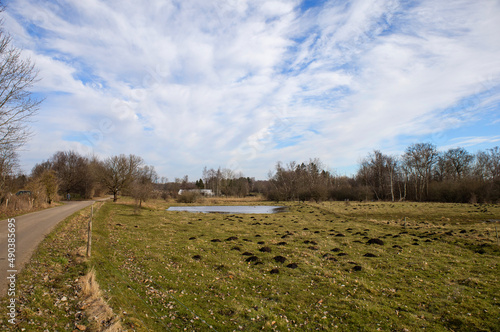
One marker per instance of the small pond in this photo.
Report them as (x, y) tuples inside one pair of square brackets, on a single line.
[(231, 209)]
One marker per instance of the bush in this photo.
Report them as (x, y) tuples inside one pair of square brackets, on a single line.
[(351, 193), (189, 197), (274, 195)]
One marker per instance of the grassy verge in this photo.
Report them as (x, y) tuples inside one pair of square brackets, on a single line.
[(47, 288), (312, 268)]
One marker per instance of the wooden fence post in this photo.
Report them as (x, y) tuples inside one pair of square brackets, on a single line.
[(496, 231), (89, 241)]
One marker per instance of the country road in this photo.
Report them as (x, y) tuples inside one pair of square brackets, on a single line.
[(31, 229)]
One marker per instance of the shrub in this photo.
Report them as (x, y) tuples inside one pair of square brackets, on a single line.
[(189, 197)]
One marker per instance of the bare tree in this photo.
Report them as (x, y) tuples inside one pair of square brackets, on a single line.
[(419, 159), (305, 181), (51, 185), (43, 187), (76, 174), (17, 106), (391, 165), (489, 164), (284, 182), (8, 164), (213, 180), (457, 163), (143, 185), (17, 76), (377, 171), (119, 172)]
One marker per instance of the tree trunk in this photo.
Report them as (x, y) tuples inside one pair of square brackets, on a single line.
[(392, 186), (404, 188)]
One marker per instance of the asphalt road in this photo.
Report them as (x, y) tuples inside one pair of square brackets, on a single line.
[(30, 230)]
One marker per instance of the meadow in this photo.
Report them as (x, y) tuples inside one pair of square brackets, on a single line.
[(321, 266)]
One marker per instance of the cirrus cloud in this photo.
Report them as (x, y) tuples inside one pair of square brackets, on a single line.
[(243, 84)]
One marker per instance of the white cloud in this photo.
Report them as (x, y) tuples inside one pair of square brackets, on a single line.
[(248, 83), (466, 142)]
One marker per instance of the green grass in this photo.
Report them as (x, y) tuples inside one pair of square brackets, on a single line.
[(47, 294), (440, 272)]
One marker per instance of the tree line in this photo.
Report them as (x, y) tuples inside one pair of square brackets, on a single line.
[(68, 175), (421, 173)]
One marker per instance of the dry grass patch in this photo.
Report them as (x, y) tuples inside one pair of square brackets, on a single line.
[(97, 309)]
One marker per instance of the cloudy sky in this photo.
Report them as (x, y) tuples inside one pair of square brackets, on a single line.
[(243, 84)]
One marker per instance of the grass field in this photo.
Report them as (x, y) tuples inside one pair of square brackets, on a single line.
[(47, 292), (333, 265)]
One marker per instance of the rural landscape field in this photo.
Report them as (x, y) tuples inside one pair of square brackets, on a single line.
[(368, 132), (320, 266), (311, 268)]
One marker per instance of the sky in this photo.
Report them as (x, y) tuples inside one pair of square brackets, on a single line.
[(243, 84)]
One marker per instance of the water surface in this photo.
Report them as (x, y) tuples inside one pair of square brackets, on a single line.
[(233, 209)]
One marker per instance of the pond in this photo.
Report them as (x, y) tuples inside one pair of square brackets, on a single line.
[(231, 209)]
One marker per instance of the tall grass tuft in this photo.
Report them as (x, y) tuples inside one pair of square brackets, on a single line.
[(96, 307)]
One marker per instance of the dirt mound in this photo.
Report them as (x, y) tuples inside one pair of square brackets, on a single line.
[(329, 257), (375, 241), (280, 259)]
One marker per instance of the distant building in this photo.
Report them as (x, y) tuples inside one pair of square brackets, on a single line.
[(204, 192)]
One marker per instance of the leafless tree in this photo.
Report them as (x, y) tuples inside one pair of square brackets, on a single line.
[(284, 182), (457, 163), (213, 180), (143, 185), (119, 172), (8, 164), (305, 181), (51, 184), (377, 171), (17, 104), (487, 165), (419, 159), (43, 187), (76, 174)]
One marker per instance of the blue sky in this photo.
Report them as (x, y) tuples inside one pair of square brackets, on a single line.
[(243, 84)]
